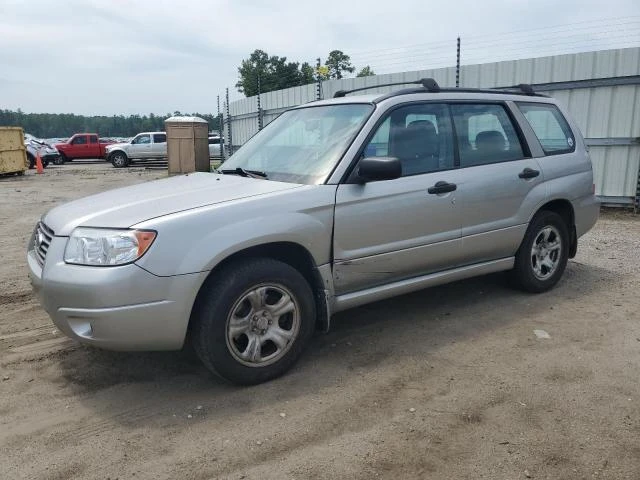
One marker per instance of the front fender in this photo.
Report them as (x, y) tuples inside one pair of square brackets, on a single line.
[(198, 240)]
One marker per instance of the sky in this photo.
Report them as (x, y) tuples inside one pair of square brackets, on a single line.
[(107, 57)]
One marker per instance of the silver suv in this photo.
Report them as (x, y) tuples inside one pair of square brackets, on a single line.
[(335, 204)]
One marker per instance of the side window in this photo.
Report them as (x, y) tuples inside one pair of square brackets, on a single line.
[(141, 140), (159, 138), (82, 140), (214, 141), (93, 139), (419, 135), (550, 127), (485, 134)]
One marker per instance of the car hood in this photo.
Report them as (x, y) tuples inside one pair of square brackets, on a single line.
[(111, 146), (124, 207)]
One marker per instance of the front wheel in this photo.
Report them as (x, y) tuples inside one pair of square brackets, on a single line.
[(253, 320), (59, 160), (543, 254), (119, 159)]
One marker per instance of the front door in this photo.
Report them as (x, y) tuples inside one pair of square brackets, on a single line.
[(396, 229), (141, 146)]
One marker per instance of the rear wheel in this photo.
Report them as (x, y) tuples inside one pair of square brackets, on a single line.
[(119, 159), (253, 320), (32, 161), (543, 254)]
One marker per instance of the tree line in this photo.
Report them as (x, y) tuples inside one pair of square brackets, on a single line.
[(54, 125), (261, 72)]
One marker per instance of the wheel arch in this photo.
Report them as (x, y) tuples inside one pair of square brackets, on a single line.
[(292, 254), (564, 208)]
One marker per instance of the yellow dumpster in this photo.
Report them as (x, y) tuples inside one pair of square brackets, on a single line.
[(13, 158)]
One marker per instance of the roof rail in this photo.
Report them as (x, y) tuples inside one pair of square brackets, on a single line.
[(431, 86), (428, 83)]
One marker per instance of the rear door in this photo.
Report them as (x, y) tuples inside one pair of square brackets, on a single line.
[(140, 146), (159, 146), (396, 229), (93, 149), (500, 184)]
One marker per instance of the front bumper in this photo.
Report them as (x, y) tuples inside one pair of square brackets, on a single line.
[(117, 308), (50, 157)]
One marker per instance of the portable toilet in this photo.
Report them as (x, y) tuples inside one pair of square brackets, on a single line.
[(187, 145)]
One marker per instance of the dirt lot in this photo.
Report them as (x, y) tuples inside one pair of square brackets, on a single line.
[(446, 383)]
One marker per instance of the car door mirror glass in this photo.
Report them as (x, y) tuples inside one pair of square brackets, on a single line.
[(372, 169)]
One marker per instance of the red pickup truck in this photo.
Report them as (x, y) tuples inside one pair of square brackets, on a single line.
[(82, 145)]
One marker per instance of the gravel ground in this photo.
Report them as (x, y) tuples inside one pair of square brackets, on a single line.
[(447, 383)]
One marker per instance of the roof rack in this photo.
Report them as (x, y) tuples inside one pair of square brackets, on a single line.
[(431, 86), (428, 83)]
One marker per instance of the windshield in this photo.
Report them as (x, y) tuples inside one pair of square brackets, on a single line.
[(302, 145)]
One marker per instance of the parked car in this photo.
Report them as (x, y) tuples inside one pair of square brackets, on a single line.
[(143, 146), (335, 204), (82, 145), (48, 154), (215, 147)]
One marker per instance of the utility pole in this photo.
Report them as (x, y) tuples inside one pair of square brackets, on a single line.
[(319, 83), (229, 124), (458, 64), (220, 130), (259, 106)]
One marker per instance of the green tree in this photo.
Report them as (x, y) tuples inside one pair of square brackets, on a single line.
[(366, 72), (338, 62), (250, 69), (307, 74), (273, 72), (53, 125)]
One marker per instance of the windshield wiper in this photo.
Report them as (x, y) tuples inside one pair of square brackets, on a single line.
[(244, 173)]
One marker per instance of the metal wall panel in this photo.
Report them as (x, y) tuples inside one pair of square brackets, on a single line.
[(603, 112)]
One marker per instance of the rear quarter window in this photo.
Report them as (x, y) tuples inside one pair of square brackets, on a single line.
[(550, 127)]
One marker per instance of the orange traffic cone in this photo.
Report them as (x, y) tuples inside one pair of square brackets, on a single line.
[(39, 168)]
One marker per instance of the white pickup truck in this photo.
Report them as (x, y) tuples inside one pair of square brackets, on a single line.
[(145, 145), (149, 145)]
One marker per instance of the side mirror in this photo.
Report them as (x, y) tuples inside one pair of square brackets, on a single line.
[(373, 169)]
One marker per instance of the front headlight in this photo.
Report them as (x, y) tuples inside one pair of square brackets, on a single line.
[(107, 247)]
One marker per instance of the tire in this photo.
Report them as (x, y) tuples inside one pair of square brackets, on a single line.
[(247, 293), (119, 159), (45, 163), (32, 162), (539, 269), (59, 160)]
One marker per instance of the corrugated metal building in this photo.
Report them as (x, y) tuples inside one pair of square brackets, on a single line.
[(601, 90)]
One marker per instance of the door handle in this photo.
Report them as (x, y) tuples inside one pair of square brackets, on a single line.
[(529, 173), (442, 187)]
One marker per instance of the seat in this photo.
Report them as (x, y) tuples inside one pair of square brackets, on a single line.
[(490, 142), (417, 145)]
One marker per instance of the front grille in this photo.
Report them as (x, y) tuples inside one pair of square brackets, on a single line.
[(41, 241)]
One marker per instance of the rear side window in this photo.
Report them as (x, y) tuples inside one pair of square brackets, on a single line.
[(159, 138), (485, 134), (93, 139), (550, 127)]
